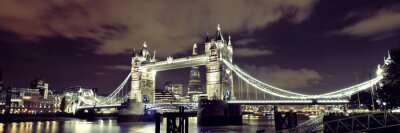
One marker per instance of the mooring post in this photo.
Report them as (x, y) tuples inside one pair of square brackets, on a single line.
[(169, 126), (158, 122), (186, 124), (181, 123), (277, 119)]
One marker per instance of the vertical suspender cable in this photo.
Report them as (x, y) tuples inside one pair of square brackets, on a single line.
[(247, 91), (255, 91)]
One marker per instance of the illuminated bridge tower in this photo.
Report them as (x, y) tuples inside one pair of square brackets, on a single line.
[(142, 81), (219, 85), (219, 82)]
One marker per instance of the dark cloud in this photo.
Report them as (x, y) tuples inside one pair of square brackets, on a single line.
[(248, 52), (284, 42), (119, 67), (290, 79), (382, 21), (245, 41), (121, 25)]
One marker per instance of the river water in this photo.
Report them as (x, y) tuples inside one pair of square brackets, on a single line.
[(250, 125)]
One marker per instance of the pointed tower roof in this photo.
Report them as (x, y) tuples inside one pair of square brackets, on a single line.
[(144, 44), (388, 60), (218, 35), (144, 52)]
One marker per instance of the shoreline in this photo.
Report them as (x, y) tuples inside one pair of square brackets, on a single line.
[(47, 117)]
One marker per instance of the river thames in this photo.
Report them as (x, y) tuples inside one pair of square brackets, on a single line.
[(250, 124)]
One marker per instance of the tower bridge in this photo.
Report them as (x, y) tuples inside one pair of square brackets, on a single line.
[(217, 57)]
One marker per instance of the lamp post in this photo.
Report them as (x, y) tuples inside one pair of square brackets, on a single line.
[(384, 106)]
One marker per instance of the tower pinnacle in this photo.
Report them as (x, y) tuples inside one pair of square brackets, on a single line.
[(229, 41), (218, 35), (194, 52), (145, 44)]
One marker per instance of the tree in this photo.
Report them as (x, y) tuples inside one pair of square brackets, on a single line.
[(389, 90)]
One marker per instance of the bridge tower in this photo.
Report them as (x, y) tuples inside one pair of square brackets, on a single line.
[(142, 81), (219, 78)]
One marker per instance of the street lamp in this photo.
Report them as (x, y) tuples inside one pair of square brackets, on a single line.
[(384, 105)]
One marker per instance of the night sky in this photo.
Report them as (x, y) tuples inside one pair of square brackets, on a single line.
[(307, 46)]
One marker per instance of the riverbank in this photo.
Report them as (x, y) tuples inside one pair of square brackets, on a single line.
[(49, 117), (35, 117)]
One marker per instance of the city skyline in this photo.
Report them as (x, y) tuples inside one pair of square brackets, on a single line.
[(303, 46)]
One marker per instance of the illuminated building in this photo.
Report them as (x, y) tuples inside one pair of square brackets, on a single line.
[(42, 86), (37, 99), (164, 96), (177, 90), (195, 87)]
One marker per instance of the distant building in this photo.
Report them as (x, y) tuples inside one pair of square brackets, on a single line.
[(177, 89), (195, 87), (37, 99), (162, 95), (42, 86)]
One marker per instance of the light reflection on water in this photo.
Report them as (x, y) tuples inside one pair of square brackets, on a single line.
[(111, 126)]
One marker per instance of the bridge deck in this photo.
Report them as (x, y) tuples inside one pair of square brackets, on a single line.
[(288, 102), (241, 102)]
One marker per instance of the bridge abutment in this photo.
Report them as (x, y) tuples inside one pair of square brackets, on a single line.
[(218, 113), (135, 112)]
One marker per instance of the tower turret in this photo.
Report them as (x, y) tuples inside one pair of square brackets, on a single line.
[(194, 52), (388, 60), (144, 53)]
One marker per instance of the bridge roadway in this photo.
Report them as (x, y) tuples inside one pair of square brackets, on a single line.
[(241, 102)]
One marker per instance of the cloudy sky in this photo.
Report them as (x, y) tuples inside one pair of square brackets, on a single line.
[(307, 46)]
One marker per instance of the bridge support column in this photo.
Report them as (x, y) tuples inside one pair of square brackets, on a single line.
[(211, 113), (136, 93), (213, 79), (147, 86), (142, 90)]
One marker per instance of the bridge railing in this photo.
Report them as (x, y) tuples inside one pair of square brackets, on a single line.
[(357, 123)]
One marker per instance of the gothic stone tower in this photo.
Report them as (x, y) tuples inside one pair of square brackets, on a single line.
[(142, 81), (219, 82)]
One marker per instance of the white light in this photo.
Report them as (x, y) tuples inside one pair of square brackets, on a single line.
[(379, 71)]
